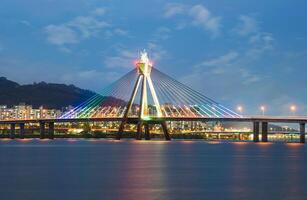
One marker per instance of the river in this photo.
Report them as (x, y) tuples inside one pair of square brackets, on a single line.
[(79, 169)]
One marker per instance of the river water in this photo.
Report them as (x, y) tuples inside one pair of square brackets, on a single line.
[(74, 169)]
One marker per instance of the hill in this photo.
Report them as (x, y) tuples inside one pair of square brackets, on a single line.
[(49, 95)]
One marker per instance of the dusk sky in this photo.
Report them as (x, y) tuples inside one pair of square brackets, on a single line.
[(237, 52)]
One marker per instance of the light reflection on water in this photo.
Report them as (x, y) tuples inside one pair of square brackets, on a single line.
[(129, 169)]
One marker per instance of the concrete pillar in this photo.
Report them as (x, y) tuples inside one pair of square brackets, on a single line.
[(240, 136), (42, 130), (165, 131), (120, 130), (256, 131), (13, 130), (21, 130), (51, 130), (302, 132), (147, 134), (139, 131), (264, 137)]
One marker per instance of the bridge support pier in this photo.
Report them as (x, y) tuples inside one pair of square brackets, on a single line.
[(256, 131), (302, 132), (165, 131), (240, 136), (21, 130), (147, 133), (42, 130), (264, 137), (120, 130), (51, 130), (12, 131), (139, 131)]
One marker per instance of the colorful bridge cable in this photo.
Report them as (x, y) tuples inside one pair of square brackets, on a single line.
[(174, 99), (88, 108), (195, 93), (178, 93)]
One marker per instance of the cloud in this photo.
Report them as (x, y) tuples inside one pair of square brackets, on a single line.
[(119, 31), (248, 77), (174, 9), (260, 43), (230, 64), (61, 34), (246, 26), (219, 65), (227, 71), (123, 59), (237, 74), (79, 28), (115, 32), (202, 17), (99, 11), (198, 15), (221, 60), (262, 39), (75, 30), (162, 33), (25, 22), (65, 49), (87, 26), (237, 68)]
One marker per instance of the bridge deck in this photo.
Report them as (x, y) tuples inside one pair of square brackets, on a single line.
[(135, 119)]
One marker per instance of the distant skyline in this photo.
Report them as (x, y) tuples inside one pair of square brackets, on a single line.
[(247, 53)]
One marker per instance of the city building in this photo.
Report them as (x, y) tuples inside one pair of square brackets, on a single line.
[(23, 111)]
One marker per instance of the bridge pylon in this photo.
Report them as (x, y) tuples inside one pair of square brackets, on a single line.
[(142, 83)]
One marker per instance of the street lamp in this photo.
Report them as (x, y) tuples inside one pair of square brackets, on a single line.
[(240, 109), (262, 108), (293, 109)]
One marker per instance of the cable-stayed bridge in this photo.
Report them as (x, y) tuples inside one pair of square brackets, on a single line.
[(148, 93), (147, 96)]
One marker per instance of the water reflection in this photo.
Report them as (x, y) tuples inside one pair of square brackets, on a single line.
[(127, 169), (144, 175)]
